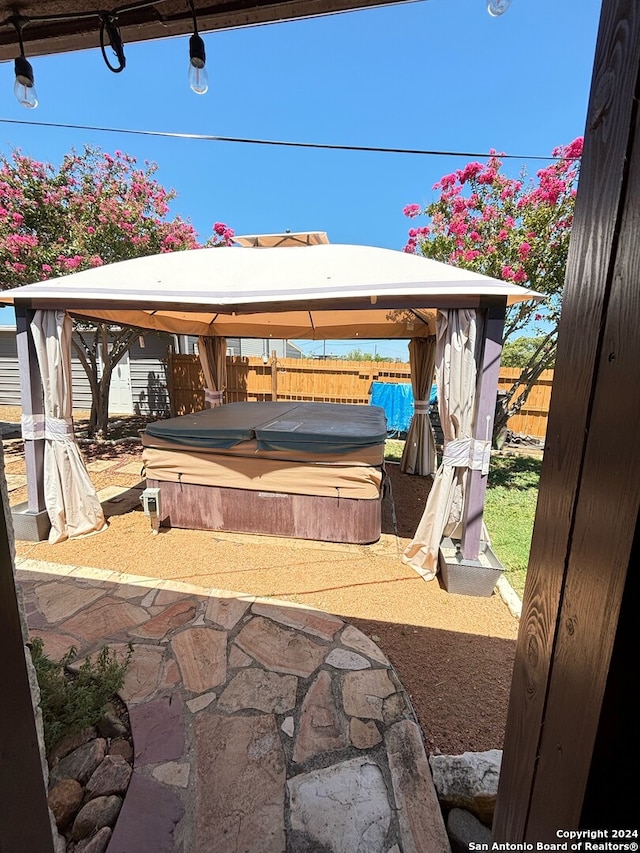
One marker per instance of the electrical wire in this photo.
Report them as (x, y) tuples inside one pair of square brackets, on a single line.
[(204, 137)]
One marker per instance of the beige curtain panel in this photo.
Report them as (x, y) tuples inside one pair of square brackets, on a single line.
[(419, 454), (212, 351), (456, 379), (70, 498)]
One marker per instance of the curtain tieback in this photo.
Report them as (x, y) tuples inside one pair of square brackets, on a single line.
[(467, 453), (421, 407), (38, 427), (213, 398), (32, 427)]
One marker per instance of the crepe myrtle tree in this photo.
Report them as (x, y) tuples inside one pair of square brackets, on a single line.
[(95, 208), (517, 351), (512, 229)]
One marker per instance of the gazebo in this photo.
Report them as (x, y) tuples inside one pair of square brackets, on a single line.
[(453, 318)]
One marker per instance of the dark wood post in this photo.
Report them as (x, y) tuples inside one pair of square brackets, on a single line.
[(492, 328), (24, 816), (575, 666)]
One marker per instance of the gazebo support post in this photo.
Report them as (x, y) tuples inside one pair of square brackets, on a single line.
[(30, 519), (493, 327)]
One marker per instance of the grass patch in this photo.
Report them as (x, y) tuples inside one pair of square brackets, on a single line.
[(509, 512), (393, 448)]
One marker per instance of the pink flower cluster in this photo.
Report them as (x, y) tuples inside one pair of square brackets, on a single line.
[(513, 229), (415, 235), (70, 264), (411, 210), (224, 234), (95, 208)]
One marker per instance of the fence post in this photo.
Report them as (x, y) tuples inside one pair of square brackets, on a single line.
[(171, 382), (274, 375)]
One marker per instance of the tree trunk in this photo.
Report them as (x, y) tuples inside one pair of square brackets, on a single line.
[(500, 421), (103, 338), (100, 405), (510, 402)]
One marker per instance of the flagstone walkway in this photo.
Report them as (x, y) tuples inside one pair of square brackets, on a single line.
[(259, 726)]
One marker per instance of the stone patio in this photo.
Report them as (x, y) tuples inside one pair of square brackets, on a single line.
[(258, 725)]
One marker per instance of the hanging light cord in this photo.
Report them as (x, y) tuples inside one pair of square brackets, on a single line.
[(109, 30), (19, 22), (108, 23), (193, 15)]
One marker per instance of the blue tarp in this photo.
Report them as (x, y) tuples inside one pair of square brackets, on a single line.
[(396, 398), (397, 401)]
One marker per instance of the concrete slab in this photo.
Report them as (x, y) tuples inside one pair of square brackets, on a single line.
[(15, 481), (100, 465)]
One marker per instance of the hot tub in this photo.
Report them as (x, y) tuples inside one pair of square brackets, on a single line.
[(306, 470)]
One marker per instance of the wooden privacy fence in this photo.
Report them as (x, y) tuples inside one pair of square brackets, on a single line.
[(330, 381), (532, 419), (325, 381)]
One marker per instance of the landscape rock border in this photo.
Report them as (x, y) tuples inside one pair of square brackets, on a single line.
[(89, 775)]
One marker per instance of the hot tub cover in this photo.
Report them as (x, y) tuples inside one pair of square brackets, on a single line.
[(310, 427)]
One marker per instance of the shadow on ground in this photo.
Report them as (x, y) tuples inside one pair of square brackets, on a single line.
[(515, 472), (459, 691)]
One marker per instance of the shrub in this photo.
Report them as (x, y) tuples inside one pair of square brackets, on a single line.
[(71, 701)]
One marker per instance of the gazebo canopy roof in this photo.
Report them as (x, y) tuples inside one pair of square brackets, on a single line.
[(323, 291)]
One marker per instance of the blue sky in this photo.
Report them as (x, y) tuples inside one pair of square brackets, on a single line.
[(438, 74)]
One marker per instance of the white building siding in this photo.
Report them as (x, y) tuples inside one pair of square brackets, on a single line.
[(9, 371), (147, 366), (258, 347), (249, 347)]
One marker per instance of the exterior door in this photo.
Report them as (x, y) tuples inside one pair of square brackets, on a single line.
[(120, 397)]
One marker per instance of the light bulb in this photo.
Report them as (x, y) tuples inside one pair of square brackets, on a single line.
[(24, 88), (497, 7), (198, 77)]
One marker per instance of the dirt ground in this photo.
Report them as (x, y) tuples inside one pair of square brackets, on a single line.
[(454, 654)]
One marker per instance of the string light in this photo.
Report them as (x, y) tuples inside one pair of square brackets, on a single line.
[(24, 88), (198, 77), (109, 33), (497, 7)]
